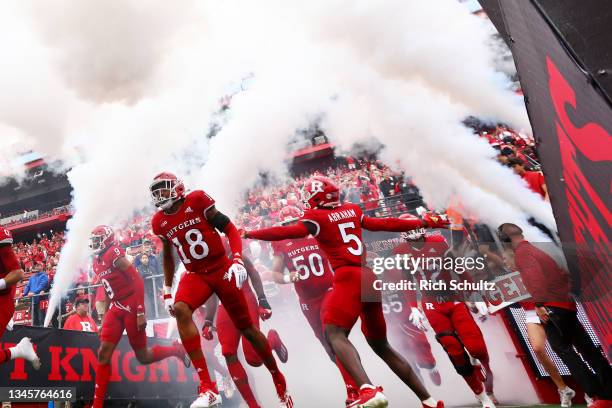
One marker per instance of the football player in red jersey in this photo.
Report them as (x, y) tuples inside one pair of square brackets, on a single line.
[(406, 325), (10, 275), (190, 224), (451, 319), (309, 270), (229, 335), (125, 289), (337, 229)]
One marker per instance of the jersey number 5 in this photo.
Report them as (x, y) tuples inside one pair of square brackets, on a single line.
[(348, 238), (198, 249)]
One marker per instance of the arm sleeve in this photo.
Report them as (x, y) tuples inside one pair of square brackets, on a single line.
[(8, 258), (298, 230), (234, 239), (391, 224)]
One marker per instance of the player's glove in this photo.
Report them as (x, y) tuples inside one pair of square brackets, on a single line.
[(168, 301), (417, 318), (208, 330), (435, 220), (237, 271), (265, 310)]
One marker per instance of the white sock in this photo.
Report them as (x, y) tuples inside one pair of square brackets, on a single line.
[(366, 386), (430, 402), (483, 397)]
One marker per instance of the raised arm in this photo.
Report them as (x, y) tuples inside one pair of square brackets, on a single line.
[(429, 220), (297, 230)]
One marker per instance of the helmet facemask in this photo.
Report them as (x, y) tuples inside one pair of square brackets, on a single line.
[(413, 235), (164, 193)]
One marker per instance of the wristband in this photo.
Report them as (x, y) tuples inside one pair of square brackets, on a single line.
[(2, 284), (167, 290), (287, 278)]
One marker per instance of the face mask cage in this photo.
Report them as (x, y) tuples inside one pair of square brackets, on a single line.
[(163, 193)]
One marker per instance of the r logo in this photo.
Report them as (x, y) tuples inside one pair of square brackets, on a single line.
[(316, 187), (86, 326), (429, 306), (304, 306)]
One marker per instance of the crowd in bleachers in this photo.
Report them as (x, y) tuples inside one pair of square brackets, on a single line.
[(380, 190)]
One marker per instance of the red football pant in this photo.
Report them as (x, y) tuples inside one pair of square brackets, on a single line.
[(313, 311), (194, 289), (353, 297), (455, 317), (229, 335), (118, 318)]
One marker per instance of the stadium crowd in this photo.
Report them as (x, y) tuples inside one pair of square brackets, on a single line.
[(379, 189)]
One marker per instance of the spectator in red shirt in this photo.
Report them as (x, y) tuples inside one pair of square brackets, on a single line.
[(81, 320), (549, 286), (534, 179)]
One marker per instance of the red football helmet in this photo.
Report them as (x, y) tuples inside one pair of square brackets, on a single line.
[(101, 238), (166, 189), (320, 192), (414, 234)]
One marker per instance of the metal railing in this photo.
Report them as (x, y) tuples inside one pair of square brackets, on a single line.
[(90, 291)]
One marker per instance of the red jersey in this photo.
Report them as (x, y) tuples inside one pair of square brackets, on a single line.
[(197, 242), (434, 247), (118, 284), (76, 322), (306, 258), (8, 259), (339, 233), (546, 281)]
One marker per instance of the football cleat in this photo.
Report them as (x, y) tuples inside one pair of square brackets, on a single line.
[(207, 397), (493, 398), (24, 349), (565, 396), (370, 397), (352, 395), (278, 346), (286, 401), (485, 400)]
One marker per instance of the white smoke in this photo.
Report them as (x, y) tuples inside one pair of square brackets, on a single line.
[(132, 85)]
